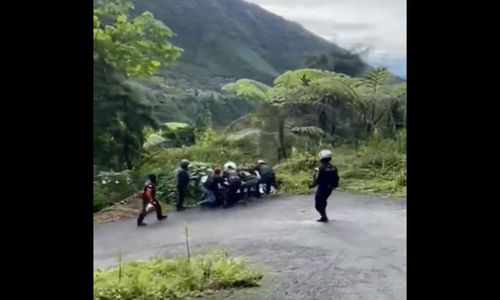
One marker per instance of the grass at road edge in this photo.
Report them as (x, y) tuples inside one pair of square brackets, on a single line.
[(174, 279)]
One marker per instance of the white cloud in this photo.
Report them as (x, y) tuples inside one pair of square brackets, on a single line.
[(376, 24)]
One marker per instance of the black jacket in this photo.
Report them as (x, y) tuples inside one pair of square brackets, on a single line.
[(327, 177), (264, 170), (231, 175), (213, 182), (182, 178)]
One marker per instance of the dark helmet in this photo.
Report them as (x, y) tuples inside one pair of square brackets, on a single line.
[(152, 178), (185, 163)]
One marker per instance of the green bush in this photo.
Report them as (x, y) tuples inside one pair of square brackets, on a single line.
[(101, 199), (377, 166), (111, 187), (294, 183), (298, 162), (174, 279)]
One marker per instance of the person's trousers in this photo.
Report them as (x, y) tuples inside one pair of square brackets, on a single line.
[(144, 212), (269, 180), (181, 195), (230, 194), (230, 197), (207, 196), (320, 200)]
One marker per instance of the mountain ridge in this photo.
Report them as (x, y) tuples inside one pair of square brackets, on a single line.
[(224, 40)]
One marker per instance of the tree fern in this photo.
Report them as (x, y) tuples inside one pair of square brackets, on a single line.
[(241, 120), (295, 78), (248, 89), (154, 140), (377, 79), (311, 131), (295, 92)]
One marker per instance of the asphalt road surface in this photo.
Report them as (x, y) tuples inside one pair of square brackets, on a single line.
[(360, 254)]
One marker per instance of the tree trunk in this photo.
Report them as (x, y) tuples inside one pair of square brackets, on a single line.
[(129, 164), (368, 129), (268, 138), (281, 138)]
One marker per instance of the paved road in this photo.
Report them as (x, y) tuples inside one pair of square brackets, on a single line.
[(360, 254)]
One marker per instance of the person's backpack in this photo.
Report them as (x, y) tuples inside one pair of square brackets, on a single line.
[(333, 176)]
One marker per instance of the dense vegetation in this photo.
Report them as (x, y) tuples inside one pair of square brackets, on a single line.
[(230, 98), (217, 54), (145, 123), (174, 279), (258, 45)]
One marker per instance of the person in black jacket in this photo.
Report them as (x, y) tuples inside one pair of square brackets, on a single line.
[(233, 183), (211, 189), (327, 179), (182, 184), (267, 176)]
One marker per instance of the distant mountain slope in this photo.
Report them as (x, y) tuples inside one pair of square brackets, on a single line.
[(224, 40), (228, 39)]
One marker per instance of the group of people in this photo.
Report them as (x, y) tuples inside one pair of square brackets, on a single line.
[(225, 187), (220, 188)]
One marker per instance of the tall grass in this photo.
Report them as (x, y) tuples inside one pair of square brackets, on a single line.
[(174, 279), (377, 167)]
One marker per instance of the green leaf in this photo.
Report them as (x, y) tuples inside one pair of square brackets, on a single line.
[(248, 89), (155, 63), (121, 19), (137, 48)]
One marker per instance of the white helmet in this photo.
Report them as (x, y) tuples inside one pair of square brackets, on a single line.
[(261, 161), (325, 154), (229, 165)]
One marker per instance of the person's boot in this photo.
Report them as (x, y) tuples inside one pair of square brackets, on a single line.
[(181, 208), (162, 218), (323, 219), (140, 219)]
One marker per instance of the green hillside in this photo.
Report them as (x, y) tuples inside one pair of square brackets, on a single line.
[(228, 39)]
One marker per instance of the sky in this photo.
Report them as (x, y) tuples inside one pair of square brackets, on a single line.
[(376, 28)]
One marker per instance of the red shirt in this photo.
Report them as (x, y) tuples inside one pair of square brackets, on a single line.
[(149, 193)]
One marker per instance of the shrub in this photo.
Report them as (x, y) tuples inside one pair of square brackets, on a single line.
[(174, 279), (377, 166), (111, 187), (297, 183)]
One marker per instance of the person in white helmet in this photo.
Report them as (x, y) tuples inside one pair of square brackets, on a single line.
[(233, 183), (326, 179)]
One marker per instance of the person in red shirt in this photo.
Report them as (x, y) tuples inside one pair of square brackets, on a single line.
[(149, 198)]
